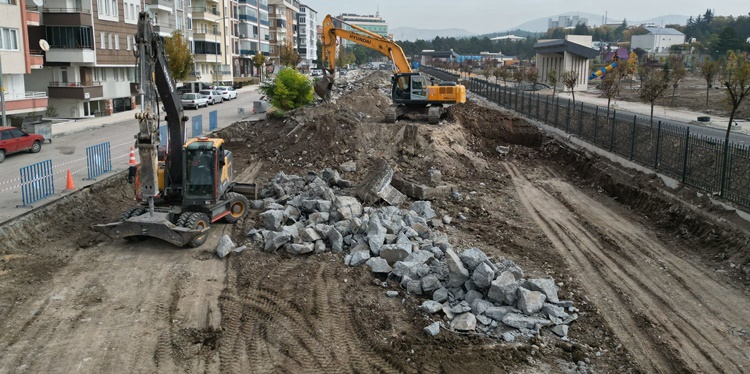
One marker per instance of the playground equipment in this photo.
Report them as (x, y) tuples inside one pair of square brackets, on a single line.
[(603, 71)]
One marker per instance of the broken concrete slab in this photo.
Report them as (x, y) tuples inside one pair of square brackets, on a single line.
[(359, 258), (393, 255), (457, 272), (545, 286), (272, 219), (498, 312), (472, 257), (419, 191), (464, 322), (378, 265), (521, 321), (225, 246), (299, 249), (376, 233), (440, 295), (432, 329), (480, 306), (430, 283), (414, 287), (318, 218), (503, 289), (431, 306), (530, 302), (423, 209), (483, 276), (471, 295), (377, 185), (275, 240), (309, 235), (347, 207), (561, 330), (336, 240)]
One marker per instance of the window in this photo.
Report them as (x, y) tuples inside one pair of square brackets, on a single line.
[(117, 41), (190, 23), (109, 40), (101, 36), (132, 14), (114, 8), (128, 39), (8, 39)]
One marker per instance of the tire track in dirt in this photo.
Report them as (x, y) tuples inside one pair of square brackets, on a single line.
[(689, 313), (266, 330)]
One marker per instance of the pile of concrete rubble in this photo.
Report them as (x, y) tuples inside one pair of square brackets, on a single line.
[(466, 290)]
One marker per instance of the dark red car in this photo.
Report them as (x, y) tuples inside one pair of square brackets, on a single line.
[(14, 140)]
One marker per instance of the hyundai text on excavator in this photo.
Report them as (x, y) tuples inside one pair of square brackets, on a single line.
[(410, 92), (182, 186)]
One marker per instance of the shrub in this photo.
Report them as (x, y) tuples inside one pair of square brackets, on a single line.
[(290, 89)]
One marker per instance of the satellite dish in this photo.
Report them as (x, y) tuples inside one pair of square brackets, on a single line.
[(43, 43), (38, 2)]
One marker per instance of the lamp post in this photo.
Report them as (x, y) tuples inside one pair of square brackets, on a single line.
[(216, 39)]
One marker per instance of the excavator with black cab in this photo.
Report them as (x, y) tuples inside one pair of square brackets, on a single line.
[(182, 186), (410, 91)]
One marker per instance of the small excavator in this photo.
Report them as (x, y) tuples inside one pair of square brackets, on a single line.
[(410, 91), (182, 185)]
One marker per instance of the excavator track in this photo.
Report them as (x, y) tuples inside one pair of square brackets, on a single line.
[(390, 114), (433, 114)]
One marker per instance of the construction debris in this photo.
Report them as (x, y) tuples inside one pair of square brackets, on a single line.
[(470, 291)]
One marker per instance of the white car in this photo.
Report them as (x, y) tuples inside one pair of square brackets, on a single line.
[(193, 100), (214, 97), (227, 92)]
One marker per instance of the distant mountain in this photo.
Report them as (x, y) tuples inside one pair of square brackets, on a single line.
[(541, 24), (412, 34)]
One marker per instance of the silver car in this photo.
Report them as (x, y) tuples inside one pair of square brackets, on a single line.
[(213, 96), (193, 100), (227, 92)]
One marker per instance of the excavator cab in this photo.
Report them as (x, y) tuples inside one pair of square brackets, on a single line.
[(207, 169), (409, 88)]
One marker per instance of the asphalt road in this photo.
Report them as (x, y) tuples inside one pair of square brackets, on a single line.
[(69, 152)]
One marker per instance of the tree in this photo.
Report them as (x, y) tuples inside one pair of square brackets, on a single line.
[(736, 79), (581, 29), (728, 40), (289, 56), (552, 79), (179, 58), (569, 79), (610, 87), (655, 84), (487, 71), (519, 75), (532, 76), (503, 73), (259, 61), (708, 70), (677, 74), (632, 67), (345, 57), (289, 90)]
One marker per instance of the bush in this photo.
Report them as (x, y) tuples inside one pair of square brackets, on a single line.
[(290, 89)]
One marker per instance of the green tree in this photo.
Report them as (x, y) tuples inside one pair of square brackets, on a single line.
[(503, 73), (728, 40), (581, 29), (288, 56), (708, 70), (552, 79), (289, 90), (259, 61), (736, 79), (569, 79), (532, 76), (655, 84), (179, 58), (677, 74), (610, 87), (345, 57)]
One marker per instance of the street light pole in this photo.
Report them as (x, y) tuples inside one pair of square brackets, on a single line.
[(216, 40)]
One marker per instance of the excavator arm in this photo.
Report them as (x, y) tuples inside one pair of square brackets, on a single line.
[(154, 79), (362, 37)]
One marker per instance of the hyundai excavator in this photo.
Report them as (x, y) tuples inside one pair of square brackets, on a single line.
[(410, 91), (182, 186)]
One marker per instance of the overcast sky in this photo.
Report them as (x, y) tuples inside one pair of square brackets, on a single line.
[(485, 16)]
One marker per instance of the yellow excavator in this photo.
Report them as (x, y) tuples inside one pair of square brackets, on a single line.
[(410, 92)]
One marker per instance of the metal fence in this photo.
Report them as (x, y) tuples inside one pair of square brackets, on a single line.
[(702, 162), (37, 182), (197, 125), (98, 160)]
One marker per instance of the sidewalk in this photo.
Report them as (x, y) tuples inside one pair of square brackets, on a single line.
[(677, 115), (71, 126)]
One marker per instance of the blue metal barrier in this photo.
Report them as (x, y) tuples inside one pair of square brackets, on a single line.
[(213, 120), (37, 182), (197, 125), (98, 160)]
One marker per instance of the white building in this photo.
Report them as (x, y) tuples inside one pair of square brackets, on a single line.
[(307, 36), (570, 54), (566, 21), (658, 40), (512, 38)]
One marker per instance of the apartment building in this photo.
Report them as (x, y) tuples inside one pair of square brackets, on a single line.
[(283, 18), (371, 23), (90, 64), (250, 35), (307, 36), (18, 60)]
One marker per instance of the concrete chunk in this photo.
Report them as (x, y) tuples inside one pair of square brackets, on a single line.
[(457, 273), (309, 235), (431, 306), (431, 283), (503, 289), (378, 265), (377, 185), (225, 246), (530, 302), (391, 293), (422, 257), (414, 287), (464, 322), (348, 207), (461, 307), (432, 329), (423, 209), (336, 240), (298, 249), (545, 286), (272, 219), (498, 312), (472, 295), (375, 234), (472, 257), (520, 321), (440, 295), (402, 268), (483, 276), (393, 255), (275, 240), (359, 258), (561, 330), (318, 217), (480, 306)]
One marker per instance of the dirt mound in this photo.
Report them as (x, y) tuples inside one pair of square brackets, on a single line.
[(488, 125)]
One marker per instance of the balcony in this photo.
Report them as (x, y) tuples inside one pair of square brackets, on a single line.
[(76, 16), (248, 52), (76, 55), (36, 59), (206, 14), (165, 5), (264, 22), (75, 90), (163, 30), (32, 15), (23, 102), (209, 35), (204, 57), (249, 2), (248, 18)]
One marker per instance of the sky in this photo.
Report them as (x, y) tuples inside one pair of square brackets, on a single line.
[(486, 16)]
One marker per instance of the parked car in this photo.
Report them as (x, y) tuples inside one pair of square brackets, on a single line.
[(14, 140), (193, 100), (316, 72), (213, 96), (227, 92)]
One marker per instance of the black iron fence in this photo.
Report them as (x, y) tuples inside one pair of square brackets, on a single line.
[(669, 148)]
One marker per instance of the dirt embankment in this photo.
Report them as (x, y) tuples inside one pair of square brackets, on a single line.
[(639, 263)]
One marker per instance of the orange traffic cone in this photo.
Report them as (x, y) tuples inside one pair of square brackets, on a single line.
[(132, 161), (69, 184)]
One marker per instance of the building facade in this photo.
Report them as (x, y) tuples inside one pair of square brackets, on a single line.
[(283, 18), (658, 40), (307, 37), (566, 21), (370, 23), (250, 36), (18, 59)]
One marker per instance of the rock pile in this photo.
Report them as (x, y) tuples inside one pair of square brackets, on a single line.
[(472, 292)]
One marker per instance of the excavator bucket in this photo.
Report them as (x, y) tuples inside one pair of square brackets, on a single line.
[(324, 85)]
